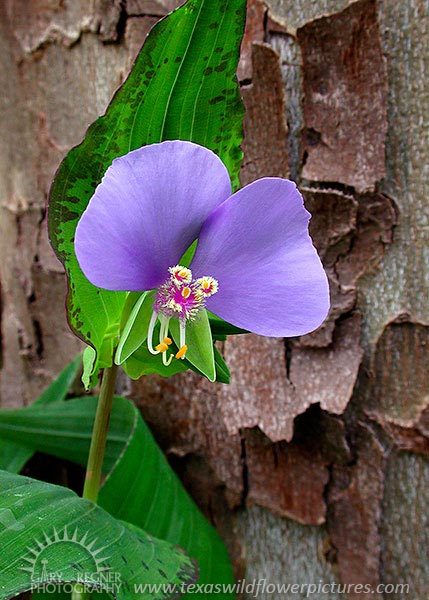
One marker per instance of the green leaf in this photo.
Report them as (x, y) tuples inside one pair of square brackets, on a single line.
[(48, 534), (14, 456), (136, 327), (199, 342), (220, 327), (140, 488), (64, 429), (182, 86), (155, 500)]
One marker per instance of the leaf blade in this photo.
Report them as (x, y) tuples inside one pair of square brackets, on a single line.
[(48, 534)]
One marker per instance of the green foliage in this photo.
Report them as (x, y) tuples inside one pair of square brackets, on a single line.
[(48, 533), (14, 456), (140, 487), (182, 86)]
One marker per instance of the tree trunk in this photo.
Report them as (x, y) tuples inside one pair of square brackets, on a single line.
[(313, 461)]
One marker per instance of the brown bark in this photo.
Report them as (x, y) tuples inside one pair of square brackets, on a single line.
[(313, 462)]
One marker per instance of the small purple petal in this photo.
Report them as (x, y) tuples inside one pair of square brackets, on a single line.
[(257, 245), (146, 212)]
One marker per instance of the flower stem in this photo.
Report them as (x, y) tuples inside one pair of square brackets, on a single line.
[(99, 434), (96, 450)]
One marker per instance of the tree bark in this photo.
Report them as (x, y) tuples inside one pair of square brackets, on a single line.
[(313, 461)]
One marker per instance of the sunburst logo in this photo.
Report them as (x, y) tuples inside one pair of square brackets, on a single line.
[(44, 561)]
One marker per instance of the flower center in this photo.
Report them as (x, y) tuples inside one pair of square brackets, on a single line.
[(182, 298)]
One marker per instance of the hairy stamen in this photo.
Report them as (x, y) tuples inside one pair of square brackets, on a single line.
[(182, 298)]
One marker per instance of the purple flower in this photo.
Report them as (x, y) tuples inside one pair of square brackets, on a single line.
[(255, 265)]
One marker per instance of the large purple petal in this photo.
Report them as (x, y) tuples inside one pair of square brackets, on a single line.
[(256, 244), (147, 210)]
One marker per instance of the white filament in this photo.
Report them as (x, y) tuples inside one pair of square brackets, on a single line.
[(150, 333)]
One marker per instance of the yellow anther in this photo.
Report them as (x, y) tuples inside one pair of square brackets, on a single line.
[(180, 274), (208, 286), (168, 341), (182, 351), (162, 347), (186, 292)]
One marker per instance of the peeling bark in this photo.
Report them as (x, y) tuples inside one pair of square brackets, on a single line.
[(254, 33), (264, 148), (344, 75), (400, 357)]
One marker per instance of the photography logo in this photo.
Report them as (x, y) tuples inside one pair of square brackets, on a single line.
[(86, 558)]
